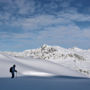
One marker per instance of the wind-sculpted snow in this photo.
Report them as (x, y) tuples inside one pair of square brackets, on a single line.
[(73, 58)]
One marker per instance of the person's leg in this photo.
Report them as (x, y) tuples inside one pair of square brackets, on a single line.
[(12, 75)]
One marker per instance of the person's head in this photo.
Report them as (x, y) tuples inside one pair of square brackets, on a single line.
[(14, 65)]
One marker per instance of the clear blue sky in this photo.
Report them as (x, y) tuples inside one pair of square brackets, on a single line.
[(27, 24)]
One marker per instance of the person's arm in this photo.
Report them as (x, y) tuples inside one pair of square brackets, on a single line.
[(15, 70)]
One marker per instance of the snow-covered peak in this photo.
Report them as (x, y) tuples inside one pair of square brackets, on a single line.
[(48, 52)]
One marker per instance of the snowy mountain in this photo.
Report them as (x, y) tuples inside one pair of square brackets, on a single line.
[(73, 59)]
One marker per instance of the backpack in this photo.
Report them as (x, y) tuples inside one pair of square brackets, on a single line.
[(10, 69)]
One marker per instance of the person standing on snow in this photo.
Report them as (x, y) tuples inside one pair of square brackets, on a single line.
[(12, 70)]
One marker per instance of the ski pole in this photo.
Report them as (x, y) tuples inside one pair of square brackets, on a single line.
[(16, 74)]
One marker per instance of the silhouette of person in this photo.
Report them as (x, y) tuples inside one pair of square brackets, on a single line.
[(12, 70)]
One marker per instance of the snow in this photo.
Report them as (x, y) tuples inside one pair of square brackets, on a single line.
[(44, 83), (35, 67), (46, 68), (74, 58)]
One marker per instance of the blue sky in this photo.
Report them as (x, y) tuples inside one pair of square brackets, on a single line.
[(27, 24)]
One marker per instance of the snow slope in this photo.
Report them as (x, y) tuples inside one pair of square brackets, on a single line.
[(34, 67), (38, 73), (75, 59)]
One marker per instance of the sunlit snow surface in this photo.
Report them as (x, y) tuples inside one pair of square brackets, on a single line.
[(35, 73), (46, 68), (47, 61)]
